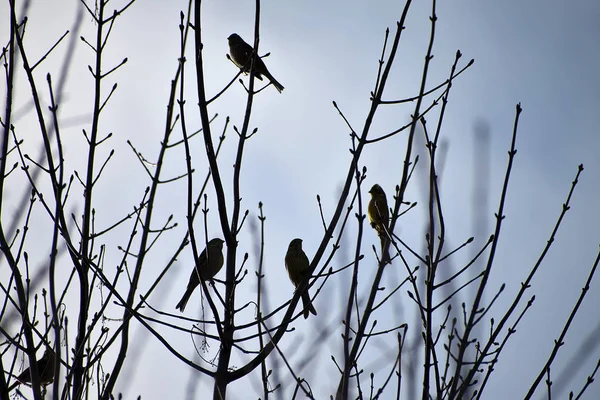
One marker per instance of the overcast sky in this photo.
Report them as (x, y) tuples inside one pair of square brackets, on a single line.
[(543, 54)]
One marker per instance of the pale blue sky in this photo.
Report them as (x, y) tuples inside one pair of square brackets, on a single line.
[(540, 53)]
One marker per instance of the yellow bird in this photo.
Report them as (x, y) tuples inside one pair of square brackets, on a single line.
[(379, 213)]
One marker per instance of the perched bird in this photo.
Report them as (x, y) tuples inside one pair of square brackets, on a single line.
[(296, 264), (379, 213), (241, 54), (45, 367), (205, 269)]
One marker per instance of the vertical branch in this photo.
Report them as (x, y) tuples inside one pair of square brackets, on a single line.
[(190, 186), (83, 270), (4, 245), (229, 234), (560, 341), (349, 362), (143, 246), (55, 236), (465, 340), (259, 294), (435, 214), (206, 129), (221, 384)]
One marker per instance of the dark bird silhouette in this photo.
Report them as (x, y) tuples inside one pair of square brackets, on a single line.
[(205, 269), (45, 367), (241, 54), (379, 214), (296, 264)]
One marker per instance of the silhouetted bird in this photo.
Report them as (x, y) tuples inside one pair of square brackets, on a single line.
[(379, 214), (45, 367), (205, 269), (241, 54), (296, 264)]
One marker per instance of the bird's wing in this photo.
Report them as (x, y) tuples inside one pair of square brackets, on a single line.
[(201, 261), (247, 49), (305, 262)]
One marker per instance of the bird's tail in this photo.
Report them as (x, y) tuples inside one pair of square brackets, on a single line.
[(308, 307), (385, 252), (384, 234), (277, 85), (183, 302)]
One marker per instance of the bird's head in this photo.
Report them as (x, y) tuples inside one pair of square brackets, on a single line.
[(48, 353), (376, 190), (234, 37), (296, 244), (216, 242)]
